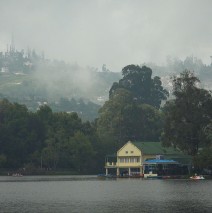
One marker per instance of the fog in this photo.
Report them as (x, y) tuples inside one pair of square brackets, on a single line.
[(112, 32), (63, 80)]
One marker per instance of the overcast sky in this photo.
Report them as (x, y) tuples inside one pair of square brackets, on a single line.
[(111, 32)]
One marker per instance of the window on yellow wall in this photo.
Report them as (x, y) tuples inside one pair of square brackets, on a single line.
[(121, 160), (126, 160), (126, 152), (131, 151), (137, 160), (131, 160)]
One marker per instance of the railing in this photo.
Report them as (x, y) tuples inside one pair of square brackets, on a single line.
[(110, 163)]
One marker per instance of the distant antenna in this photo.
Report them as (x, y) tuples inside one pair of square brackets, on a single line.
[(12, 47)]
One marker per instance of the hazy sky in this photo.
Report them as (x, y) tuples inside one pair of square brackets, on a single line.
[(111, 32)]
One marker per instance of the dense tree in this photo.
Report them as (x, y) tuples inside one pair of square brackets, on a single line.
[(21, 133), (122, 118), (131, 113), (63, 146), (187, 116), (145, 89), (111, 116), (204, 159), (81, 152), (45, 139), (208, 131)]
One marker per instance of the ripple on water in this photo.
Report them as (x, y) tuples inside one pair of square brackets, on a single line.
[(86, 194)]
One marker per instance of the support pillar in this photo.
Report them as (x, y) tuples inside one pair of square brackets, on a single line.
[(129, 171), (106, 171), (141, 170), (117, 171)]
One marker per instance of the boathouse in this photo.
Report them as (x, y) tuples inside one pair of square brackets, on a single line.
[(147, 159)]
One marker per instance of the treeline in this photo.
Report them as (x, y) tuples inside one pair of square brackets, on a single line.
[(50, 140), (45, 139), (18, 61), (176, 65)]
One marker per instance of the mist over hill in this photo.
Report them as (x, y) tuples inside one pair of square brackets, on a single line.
[(174, 66), (30, 79)]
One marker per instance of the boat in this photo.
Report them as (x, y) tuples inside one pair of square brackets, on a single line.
[(17, 175), (106, 176), (197, 177)]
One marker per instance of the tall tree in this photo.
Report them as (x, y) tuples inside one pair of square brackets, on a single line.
[(145, 89), (188, 115)]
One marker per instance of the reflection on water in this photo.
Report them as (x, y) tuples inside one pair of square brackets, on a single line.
[(87, 194)]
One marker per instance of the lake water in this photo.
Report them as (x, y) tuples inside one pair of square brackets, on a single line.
[(88, 194)]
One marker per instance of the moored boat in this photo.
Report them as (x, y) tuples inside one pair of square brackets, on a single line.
[(106, 176), (197, 177), (17, 175)]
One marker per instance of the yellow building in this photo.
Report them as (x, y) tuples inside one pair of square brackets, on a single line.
[(144, 159)]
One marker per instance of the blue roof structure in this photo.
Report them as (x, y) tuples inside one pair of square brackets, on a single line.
[(159, 161)]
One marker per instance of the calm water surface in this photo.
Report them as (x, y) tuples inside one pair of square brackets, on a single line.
[(87, 194)]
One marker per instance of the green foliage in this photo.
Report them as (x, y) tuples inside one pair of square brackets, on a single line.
[(86, 110), (45, 139), (204, 159), (122, 119), (208, 131), (145, 90), (50, 140), (21, 133), (81, 151), (131, 113), (188, 115), (3, 160)]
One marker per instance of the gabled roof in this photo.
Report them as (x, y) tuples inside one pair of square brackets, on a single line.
[(156, 148), (129, 142)]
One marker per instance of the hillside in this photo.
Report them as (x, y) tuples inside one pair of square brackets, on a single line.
[(32, 80)]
